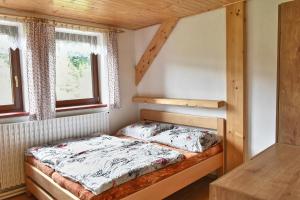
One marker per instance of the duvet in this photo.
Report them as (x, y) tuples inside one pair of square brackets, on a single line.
[(101, 163)]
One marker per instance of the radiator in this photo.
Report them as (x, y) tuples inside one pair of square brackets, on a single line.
[(16, 138)]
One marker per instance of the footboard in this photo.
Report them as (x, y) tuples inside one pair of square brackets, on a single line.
[(43, 187)]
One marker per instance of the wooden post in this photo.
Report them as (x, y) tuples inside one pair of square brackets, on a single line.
[(153, 49), (288, 110), (236, 85)]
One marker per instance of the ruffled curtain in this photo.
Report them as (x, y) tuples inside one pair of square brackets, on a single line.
[(113, 70), (86, 43), (12, 35), (40, 60)]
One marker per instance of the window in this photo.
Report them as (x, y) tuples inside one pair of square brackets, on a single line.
[(77, 81), (10, 72)]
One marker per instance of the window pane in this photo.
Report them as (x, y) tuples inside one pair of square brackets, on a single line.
[(73, 72), (5, 73)]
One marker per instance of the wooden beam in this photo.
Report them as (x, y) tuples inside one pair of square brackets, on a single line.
[(180, 102), (288, 127), (153, 49), (236, 85)]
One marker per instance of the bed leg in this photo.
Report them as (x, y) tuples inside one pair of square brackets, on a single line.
[(220, 172), (28, 194)]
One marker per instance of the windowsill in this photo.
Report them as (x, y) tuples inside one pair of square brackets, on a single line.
[(62, 109), (13, 114), (83, 107)]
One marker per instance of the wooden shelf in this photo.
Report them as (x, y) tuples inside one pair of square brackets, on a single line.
[(180, 102)]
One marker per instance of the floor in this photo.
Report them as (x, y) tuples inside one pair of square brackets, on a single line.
[(196, 191)]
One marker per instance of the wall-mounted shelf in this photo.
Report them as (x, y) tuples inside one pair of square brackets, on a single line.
[(180, 102)]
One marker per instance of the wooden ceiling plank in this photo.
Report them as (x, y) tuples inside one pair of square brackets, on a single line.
[(130, 14), (17, 13), (153, 49)]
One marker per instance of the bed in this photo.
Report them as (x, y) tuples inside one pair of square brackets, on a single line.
[(46, 184)]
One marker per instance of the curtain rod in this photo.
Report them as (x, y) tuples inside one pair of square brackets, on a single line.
[(23, 16)]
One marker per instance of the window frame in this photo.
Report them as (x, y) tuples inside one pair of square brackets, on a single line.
[(17, 91), (96, 88)]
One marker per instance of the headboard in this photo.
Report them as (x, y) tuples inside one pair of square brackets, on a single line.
[(188, 120)]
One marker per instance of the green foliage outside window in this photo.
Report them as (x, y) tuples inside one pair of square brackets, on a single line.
[(77, 65), (79, 62)]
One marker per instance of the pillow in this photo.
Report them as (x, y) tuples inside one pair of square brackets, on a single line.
[(144, 129), (187, 138)]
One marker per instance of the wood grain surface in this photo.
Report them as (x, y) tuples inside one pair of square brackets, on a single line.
[(289, 74), (272, 175)]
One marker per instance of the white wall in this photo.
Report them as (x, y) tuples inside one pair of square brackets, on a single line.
[(262, 32), (192, 64)]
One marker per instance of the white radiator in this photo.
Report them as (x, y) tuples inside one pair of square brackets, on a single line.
[(16, 138)]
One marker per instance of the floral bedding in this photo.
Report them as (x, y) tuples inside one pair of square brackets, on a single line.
[(109, 161), (52, 155), (187, 138), (145, 129)]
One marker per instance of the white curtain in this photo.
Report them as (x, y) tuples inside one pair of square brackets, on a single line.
[(113, 70), (87, 43), (11, 32), (40, 60)]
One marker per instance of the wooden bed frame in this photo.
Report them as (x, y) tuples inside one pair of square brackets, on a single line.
[(44, 188)]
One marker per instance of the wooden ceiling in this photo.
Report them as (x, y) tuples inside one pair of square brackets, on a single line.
[(130, 14)]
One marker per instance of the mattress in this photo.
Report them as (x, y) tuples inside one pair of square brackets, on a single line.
[(132, 186)]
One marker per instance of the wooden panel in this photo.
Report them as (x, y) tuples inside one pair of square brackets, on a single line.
[(188, 120), (47, 183), (289, 74), (153, 48), (180, 102), (236, 84), (131, 14), (272, 175)]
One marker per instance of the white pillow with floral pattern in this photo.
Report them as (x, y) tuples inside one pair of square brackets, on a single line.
[(144, 129), (187, 138)]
